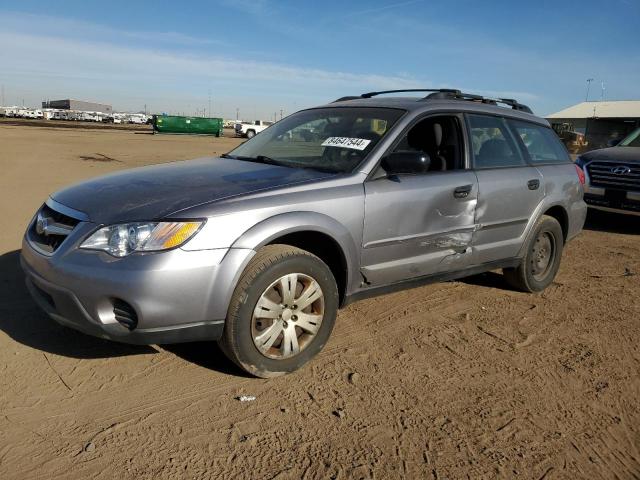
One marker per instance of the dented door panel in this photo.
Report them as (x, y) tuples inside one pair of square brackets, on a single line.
[(414, 225)]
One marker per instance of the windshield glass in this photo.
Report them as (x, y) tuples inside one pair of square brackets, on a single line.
[(330, 139), (631, 140)]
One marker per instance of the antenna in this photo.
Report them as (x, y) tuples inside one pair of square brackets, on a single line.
[(589, 80)]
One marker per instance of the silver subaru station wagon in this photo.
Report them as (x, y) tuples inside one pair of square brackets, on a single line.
[(258, 249)]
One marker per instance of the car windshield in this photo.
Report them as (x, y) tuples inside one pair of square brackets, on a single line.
[(330, 139), (631, 140)]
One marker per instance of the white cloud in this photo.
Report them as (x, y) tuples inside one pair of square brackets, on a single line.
[(48, 65)]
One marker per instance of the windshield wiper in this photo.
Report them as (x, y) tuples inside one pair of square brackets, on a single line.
[(273, 161), (260, 159)]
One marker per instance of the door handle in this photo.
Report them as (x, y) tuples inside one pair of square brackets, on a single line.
[(533, 184), (462, 191)]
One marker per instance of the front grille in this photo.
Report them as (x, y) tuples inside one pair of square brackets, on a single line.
[(125, 314), (602, 174), (50, 229)]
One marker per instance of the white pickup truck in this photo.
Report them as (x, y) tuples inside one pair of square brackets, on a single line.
[(249, 130)]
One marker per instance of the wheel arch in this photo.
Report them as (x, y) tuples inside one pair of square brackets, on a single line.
[(555, 210), (560, 214), (314, 232)]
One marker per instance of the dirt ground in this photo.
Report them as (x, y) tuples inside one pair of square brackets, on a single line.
[(456, 380)]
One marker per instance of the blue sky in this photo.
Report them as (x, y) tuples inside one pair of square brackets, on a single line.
[(265, 55)]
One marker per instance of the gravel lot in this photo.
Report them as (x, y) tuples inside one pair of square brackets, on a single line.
[(456, 380)]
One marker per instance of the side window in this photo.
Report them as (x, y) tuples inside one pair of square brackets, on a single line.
[(440, 138), (492, 143), (542, 143)]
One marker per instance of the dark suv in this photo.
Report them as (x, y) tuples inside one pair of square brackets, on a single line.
[(259, 248), (613, 176)]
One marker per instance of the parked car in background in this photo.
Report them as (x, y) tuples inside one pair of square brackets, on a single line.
[(613, 176), (259, 248), (250, 130)]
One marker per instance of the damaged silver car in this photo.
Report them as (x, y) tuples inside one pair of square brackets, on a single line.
[(258, 249)]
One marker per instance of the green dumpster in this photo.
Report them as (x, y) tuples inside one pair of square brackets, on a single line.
[(187, 125)]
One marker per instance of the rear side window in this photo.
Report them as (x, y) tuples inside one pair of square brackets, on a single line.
[(492, 143), (541, 143)]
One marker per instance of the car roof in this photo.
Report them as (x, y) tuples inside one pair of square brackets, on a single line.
[(421, 104)]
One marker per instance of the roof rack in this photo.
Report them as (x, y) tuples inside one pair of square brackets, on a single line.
[(447, 94)]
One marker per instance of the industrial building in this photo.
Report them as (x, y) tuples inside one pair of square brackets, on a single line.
[(600, 122), (77, 105)]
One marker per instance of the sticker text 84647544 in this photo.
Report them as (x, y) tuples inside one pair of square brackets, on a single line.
[(346, 142)]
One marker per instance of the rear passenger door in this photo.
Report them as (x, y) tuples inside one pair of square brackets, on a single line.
[(509, 189)]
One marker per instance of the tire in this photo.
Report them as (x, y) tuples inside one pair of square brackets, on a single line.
[(258, 329), (251, 133), (541, 261)]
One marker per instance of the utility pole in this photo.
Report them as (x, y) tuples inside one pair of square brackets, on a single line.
[(589, 80), (210, 103), (2, 96), (602, 93), (281, 114), (237, 113)]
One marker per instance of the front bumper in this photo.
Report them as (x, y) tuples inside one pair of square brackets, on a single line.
[(177, 295), (611, 200)]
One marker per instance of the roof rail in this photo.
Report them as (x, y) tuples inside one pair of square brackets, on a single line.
[(458, 95), (344, 99), (442, 90), (447, 94)]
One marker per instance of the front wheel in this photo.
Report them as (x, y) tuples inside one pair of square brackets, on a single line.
[(282, 311), (541, 261)]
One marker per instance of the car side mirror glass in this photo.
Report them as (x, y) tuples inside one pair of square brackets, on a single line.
[(406, 162)]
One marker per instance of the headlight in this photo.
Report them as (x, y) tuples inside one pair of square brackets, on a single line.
[(125, 238)]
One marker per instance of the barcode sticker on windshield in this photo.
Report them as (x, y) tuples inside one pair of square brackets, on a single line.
[(346, 142)]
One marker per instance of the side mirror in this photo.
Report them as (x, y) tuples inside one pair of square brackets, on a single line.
[(613, 142), (397, 163)]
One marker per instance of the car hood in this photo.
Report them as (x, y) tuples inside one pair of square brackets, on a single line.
[(614, 154), (155, 192)]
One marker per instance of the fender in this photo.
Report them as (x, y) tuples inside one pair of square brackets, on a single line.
[(279, 225), (538, 212)]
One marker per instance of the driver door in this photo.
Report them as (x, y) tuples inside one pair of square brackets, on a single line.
[(421, 224)]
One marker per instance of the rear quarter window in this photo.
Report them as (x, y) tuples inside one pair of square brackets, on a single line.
[(541, 143)]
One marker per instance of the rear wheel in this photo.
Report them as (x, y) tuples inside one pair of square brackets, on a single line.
[(281, 313), (251, 133), (541, 261)]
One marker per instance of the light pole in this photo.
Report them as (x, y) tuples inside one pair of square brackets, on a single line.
[(602, 93), (237, 113), (589, 80), (210, 103)]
